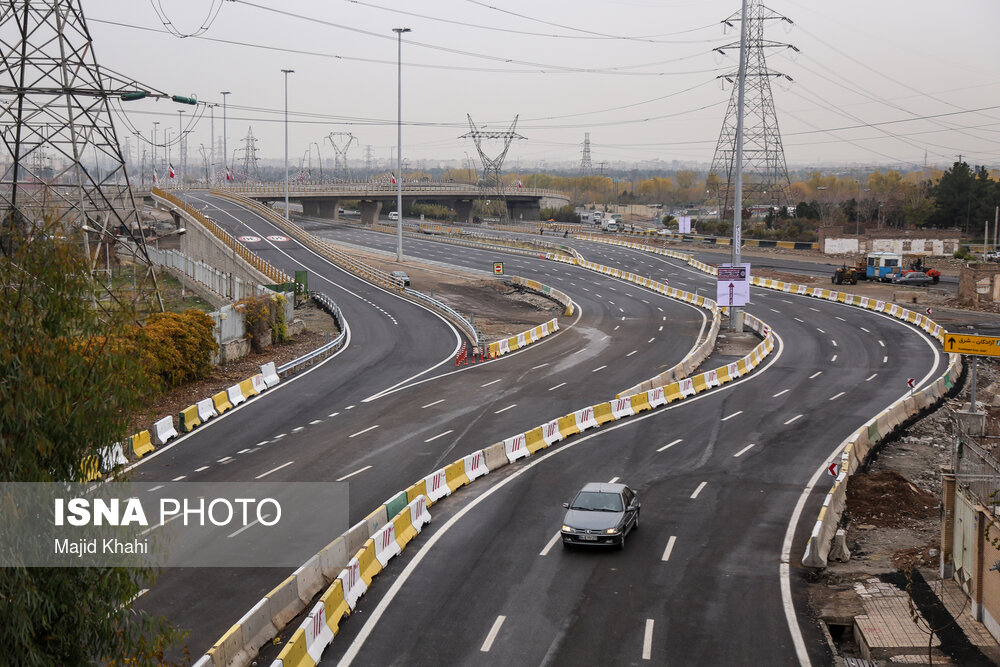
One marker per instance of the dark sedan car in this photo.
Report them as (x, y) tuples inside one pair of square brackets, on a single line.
[(601, 514), (913, 278)]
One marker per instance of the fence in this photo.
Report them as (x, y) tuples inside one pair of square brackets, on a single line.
[(977, 471)]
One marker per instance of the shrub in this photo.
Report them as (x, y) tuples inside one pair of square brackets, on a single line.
[(178, 346)]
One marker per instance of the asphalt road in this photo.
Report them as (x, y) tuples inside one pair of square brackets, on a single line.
[(719, 478), (391, 407)]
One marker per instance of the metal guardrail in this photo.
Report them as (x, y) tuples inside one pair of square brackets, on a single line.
[(458, 317), (322, 352)]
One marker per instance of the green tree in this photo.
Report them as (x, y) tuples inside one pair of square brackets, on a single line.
[(70, 382), (964, 198)]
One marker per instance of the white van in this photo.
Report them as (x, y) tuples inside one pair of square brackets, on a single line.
[(394, 215)]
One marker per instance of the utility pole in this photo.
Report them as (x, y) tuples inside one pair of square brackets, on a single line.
[(225, 153), (180, 145), (286, 72), (399, 141)]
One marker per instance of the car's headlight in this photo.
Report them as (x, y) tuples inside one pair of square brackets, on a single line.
[(611, 531), (566, 529)]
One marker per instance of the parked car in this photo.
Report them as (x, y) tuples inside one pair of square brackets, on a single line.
[(401, 275), (394, 215), (601, 514), (912, 278)]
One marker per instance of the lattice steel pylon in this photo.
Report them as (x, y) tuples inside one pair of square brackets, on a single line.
[(765, 174), (340, 168), (54, 101), (251, 163), (493, 165), (586, 166)]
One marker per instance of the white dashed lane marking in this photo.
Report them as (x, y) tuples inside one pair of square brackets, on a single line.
[(352, 474)]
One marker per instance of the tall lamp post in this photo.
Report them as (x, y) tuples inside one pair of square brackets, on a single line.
[(286, 72), (225, 155), (399, 141)]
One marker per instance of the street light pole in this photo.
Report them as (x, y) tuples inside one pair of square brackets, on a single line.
[(225, 155), (155, 123), (180, 144), (399, 141), (286, 73)]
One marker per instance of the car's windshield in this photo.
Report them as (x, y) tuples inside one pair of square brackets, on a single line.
[(595, 500)]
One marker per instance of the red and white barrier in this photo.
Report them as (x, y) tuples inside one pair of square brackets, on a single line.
[(551, 432), (386, 545), (515, 447), (521, 342), (318, 633), (258, 383), (475, 465), (622, 407), (354, 585), (585, 419), (503, 347), (418, 512), (712, 378), (656, 397), (437, 485), (686, 387)]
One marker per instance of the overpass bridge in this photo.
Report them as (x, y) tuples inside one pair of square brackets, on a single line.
[(324, 200)]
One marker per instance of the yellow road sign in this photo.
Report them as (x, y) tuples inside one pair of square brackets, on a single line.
[(986, 346), (498, 268)]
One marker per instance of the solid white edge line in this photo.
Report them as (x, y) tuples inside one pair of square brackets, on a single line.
[(551, 543), (670, 547), (784, 569), (488, 642), (397, 585), (647, 640)]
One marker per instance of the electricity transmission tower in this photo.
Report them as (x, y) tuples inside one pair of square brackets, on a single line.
[(368, 161), (251, 164), (340, 169), (586, 166), (62, 160), (492, 166), (765, 174)]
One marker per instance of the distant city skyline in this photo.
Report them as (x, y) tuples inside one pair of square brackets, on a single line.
[(872, 83)]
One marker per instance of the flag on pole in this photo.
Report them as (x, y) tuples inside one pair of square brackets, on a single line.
[(519, 186), (171, 167), (229, 176), (154, 176), (392, 175)]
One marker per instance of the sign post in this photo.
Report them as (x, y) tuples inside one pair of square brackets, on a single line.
[(733, 286)]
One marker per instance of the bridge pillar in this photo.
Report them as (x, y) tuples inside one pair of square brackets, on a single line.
[(524, 210), (463, 210), (370, 211), (321, 208)]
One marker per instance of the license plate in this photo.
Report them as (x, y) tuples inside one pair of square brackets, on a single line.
[(590, 538)]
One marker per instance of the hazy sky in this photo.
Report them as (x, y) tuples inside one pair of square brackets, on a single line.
[(640, 76)]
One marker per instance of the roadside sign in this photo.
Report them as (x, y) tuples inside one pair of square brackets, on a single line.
[(984, 346), (733, 285), (834, 469), (911, 382), (498, 268)]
